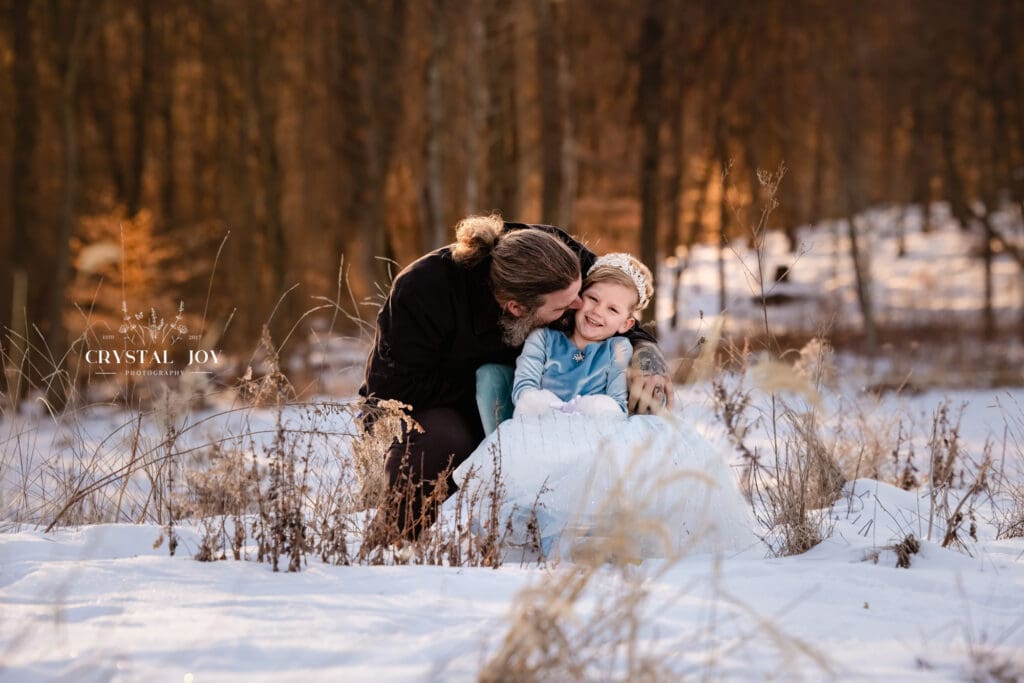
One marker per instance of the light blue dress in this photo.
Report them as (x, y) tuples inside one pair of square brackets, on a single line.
[(551, 361)]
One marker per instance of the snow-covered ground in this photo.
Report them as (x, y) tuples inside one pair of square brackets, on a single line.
[(928, 299), (106, 602), (938, 280), (101, 603)]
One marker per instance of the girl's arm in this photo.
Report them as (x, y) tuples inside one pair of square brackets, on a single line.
[(530, 364)]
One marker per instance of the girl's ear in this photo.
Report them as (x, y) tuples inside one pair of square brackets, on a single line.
[(628, 325)]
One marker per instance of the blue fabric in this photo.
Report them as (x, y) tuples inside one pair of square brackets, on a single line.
[(550, 361), (494, 394)]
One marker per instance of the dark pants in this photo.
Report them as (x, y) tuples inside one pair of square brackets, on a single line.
[(415, 463)]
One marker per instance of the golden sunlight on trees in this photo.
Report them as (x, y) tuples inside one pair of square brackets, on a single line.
[(316, 129)]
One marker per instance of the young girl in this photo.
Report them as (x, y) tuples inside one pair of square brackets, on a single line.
[(585, 371)]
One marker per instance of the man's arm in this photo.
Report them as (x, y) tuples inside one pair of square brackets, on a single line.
[(618, 385), (650, 384), (413, 331)]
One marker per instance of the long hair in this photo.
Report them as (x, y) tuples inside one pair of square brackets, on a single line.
[(526, 264)]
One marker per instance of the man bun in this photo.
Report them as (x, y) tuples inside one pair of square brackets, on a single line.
[(476, 237)]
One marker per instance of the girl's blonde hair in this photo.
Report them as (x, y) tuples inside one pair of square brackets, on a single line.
[(626, 270)]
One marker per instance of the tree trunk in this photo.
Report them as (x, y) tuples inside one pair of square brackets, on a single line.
[(920, 162), (59, 387), (675, 192), (18, 370), (103, 110), (271, 256), (168, 191), (863, 282), (723, 242), (22, 196), (815, 211), (373, 48), (264, 109), (988, 319), (477, 98), (382, 89), (695, 230), (434, 233), (954, 186), (353, 113), (140, 106), (549, 102), (854, 202), (240, 191), (847, 104), (566, 88), (722, 157), (722, 154), (501, 190), (649, 104), (1020, 288), (999, 171)]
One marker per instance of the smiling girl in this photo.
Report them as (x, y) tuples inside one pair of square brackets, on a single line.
[(585, 371)]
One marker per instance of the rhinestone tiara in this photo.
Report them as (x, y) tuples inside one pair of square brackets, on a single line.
[(624, 262)]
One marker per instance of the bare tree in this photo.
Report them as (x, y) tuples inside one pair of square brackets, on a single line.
[(82, 20), (140, 107), (478, 96), (552, 77), (650, 112), (846, 112), (22, 197), (434, 232), (501, 190)]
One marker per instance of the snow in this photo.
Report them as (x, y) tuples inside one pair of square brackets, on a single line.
[(938, 283), (106, 602), (128, 612), (101, 604)]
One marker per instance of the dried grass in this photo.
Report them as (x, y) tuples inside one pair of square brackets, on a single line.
[(1009, 521), (555, 634), (383, 423), (796, 476), (587, 621)]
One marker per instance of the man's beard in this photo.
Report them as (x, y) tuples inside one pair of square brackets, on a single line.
[(515, 330)]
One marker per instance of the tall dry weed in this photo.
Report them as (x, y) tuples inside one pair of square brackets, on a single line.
[(590, 619), (382, 423), (555, 634), (772, 414), (1009, 519)]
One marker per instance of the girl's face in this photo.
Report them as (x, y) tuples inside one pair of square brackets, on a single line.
[(607, 311)]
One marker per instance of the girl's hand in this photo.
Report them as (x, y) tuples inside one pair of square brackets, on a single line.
[(537, 402)]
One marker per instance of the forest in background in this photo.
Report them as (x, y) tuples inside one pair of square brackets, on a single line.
[(143, 141)]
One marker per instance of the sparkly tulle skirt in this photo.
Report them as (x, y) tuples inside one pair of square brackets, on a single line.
[(565, 476)]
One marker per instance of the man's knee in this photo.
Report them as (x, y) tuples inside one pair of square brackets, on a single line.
[(395, 463), (445, 441), (447, 435)]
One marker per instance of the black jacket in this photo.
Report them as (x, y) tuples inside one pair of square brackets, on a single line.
[(438, 325)]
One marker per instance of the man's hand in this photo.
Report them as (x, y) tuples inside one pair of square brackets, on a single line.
[(650, 388)]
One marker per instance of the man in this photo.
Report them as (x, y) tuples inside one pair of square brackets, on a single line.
[(460, 307)]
